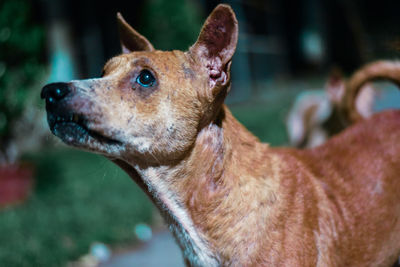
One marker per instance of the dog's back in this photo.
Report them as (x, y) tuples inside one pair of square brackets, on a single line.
[(357, 175)]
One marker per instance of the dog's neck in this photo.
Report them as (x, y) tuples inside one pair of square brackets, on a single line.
[(198, 191)]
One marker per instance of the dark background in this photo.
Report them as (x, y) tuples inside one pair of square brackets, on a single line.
[(352, 32)]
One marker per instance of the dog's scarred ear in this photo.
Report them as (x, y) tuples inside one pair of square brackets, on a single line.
[(131, 40), (216, 45)]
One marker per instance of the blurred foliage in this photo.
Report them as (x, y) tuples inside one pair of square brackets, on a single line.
[(91, 200), (265, 118), (173, 24), (264, 121), (21, 63)]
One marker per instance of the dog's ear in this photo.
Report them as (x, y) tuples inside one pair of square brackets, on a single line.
[(131, 40), (216, 45)]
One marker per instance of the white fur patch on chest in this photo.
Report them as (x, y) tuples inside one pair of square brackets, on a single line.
[(195, 249)]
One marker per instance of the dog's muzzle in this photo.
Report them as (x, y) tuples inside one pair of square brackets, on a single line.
[(64, 120)]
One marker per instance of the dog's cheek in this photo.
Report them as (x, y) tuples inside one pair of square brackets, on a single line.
[(171, 134), (181, 137)]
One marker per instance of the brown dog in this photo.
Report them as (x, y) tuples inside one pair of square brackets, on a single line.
[(318, 115), (229, 199)]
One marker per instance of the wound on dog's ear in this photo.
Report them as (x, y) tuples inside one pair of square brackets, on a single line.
[(131, 40), (217, 42)]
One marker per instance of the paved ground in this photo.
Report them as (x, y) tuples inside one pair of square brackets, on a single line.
[(160, 251)]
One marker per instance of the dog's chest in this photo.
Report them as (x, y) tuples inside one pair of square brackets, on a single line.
[(196, 250)]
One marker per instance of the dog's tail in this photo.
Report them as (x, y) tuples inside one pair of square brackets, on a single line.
[(378, 70)]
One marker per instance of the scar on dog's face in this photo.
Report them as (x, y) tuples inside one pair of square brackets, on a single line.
[(148, 104)]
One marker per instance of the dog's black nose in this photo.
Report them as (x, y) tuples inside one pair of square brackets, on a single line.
[(54, 92)]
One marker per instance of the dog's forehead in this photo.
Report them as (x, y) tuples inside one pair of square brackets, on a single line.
[(166, 61)]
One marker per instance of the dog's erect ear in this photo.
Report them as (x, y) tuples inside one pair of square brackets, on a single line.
[(216, 45), (131, 40)]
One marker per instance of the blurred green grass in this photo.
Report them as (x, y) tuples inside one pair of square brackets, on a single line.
[(81, 198), (265, 115), (266, 121)]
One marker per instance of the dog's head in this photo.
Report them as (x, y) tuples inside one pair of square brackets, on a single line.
[(149, 104)]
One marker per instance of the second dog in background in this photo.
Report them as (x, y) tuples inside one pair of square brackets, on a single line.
[(319, 114)]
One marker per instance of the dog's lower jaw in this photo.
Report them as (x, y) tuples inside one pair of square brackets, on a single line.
[(77, 134)]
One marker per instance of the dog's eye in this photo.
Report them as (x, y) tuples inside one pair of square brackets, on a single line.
[(145, 78)]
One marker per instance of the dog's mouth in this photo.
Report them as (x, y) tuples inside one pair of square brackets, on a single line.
[(73, 130)]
